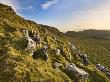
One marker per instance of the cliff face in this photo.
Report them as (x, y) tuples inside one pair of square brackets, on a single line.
[(17, 63)]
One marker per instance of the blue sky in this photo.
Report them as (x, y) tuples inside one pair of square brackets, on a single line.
[(65, 14)]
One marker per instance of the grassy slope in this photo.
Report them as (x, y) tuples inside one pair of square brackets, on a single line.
[(98, 49), (15, 63)]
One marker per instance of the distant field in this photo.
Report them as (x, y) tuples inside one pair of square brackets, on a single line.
[(97, 49)]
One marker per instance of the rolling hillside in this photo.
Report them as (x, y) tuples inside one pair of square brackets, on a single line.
[(96, 43), (101, 34), (19, 65)]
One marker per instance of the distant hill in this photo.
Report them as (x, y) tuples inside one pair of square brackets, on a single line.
[(104, 34), (16, 64), (52, 30)]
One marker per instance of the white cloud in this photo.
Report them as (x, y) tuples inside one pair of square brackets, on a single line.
[(49, 3), (30, 7)]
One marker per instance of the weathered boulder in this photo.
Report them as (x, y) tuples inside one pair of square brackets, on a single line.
[(78, 73)]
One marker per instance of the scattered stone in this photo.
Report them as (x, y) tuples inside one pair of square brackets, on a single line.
[(56, 65), (84, 59), (41, 53), (31, 43), (72, 46), (36, 37), (102, 68), (44, 53), (79, 73), (57, 52), (25, 33)]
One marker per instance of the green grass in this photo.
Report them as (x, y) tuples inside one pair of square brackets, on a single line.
[(97, 49), (16, 65)]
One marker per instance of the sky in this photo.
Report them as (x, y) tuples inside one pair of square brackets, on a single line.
[(66, 15)]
